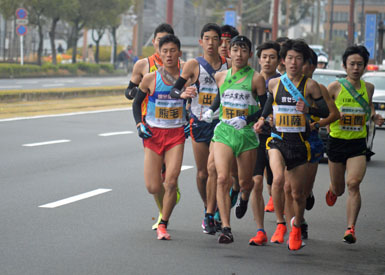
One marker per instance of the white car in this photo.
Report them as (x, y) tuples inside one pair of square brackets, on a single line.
[(378, 80)]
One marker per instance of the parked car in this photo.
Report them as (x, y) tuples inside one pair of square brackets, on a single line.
[(378, 80)]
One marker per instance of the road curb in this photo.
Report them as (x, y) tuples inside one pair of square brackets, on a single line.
[(59, 93)]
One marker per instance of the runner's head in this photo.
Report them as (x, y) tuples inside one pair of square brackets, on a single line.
[(294, 52), (268, 55), (280, 41), (160, 31), (240, 51), (310, 64), (355, 59), (169, 50), (228, 32), (210, 39)]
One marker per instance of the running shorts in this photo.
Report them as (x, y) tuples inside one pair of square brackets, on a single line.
[(263, 160), (293, 153), (340, 150), (201, 131), (164, 139), (316, 147), (239, 141)]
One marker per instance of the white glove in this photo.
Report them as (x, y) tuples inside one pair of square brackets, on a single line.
[(208, 116), (237, 122)]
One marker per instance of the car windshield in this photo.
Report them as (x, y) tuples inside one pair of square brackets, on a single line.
[(325, 79), (377, 81)]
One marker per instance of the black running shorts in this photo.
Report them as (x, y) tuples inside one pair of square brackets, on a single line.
[(339, 150)]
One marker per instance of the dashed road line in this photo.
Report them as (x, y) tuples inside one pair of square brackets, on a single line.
[(76, 198), (46, 143), (186, 167), (115, 133)]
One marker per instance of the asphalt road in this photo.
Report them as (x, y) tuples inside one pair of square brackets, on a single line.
[(47, 160), (61, 82)]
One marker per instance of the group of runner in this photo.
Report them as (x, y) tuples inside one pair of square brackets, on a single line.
[(244, 124)]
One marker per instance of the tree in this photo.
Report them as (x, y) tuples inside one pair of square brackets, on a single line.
[(8, 9), (55, 9), (36, 9)]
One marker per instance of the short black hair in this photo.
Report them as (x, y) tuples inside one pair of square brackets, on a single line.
[(282, 39), (227, 29), (164, 27), (298, 45), (355, 49), (241, 41), (169, 38), (269, 45), (313, 59), (211, 27)]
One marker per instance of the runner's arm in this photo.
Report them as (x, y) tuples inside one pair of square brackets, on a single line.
[(334, 114), (137, 106), (216, 102)]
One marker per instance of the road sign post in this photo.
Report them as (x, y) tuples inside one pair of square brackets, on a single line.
[(21, 29)]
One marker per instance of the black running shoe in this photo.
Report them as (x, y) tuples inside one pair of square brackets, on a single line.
[(226, 236), (209, 225), (241, 208), (310, 201), (304, 227)]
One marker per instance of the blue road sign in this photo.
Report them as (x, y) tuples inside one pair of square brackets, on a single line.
[(21, 13), (21, 30), (230, 18), (370, 34)]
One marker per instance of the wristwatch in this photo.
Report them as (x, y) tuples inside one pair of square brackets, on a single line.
[(316, 125)]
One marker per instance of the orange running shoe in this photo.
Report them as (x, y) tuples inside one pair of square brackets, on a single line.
[(278, 236), (295, 238), (350, 235), (162, 232), (269, 206), (259, 239), (330, 198)]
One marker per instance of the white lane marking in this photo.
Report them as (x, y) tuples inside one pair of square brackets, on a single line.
[(64, 115), (53, 85), (91, 83), (75, 198), (185, 167), (115, 133), (10, 87), (28, 82), (46, 142)]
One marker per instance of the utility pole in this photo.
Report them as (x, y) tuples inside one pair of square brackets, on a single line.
[(331, 29), (287, 17), (275, 20), (318, 21), (362, 21), (170, 11), (351, 23)]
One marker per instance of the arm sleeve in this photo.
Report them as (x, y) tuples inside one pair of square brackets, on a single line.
[(131, 90), (176, 91), (216, 103), (268, 108), (256, 116), (137, 105), (322, 109)]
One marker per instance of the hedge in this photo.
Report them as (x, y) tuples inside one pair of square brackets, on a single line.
[(47, 69)]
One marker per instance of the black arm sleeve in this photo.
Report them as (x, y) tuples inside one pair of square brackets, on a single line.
[(216, 103), (268, 108), (176, 91), (322, 109), (137, 105), (256, 116), (131, 90)]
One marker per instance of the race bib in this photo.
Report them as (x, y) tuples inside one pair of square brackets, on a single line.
[(206, 98), (168, 110), (229, 113), (288, 119), (353, 119)]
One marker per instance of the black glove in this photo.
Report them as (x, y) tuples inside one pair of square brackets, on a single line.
[(143, 131)]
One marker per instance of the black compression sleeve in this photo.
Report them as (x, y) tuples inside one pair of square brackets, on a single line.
[(129, 93), (137, 105), (216, 103), (255, 116), (268, 108), (176, 91), (262, 99), (322, 109)]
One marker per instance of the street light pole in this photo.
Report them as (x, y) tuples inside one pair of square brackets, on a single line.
[(170, 11), (275, 20)]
